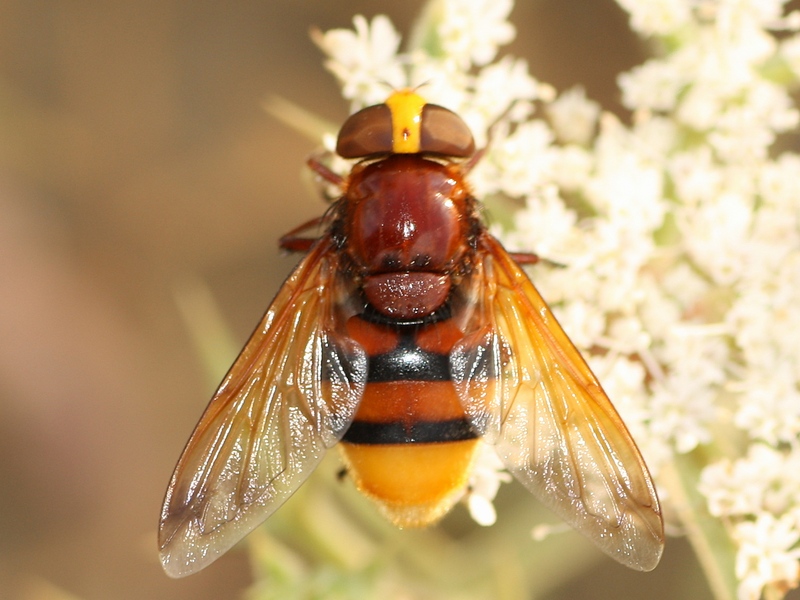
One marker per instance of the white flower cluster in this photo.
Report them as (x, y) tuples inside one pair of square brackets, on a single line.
[(454, 36), (678, 236), (760, 495)]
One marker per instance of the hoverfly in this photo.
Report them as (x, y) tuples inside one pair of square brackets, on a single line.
[(407, 335)]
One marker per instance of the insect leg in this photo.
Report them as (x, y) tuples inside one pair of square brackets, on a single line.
[(529, 258), (479, 154), (293, 242), (324, 172), (525, 258)]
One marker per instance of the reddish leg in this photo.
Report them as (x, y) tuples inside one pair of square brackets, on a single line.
[(298, 243), (292, 241), (468, 165), (525, 258), (473, 160), (529, 258), (325, 172)]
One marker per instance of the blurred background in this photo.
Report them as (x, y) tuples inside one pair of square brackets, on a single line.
[(135, 155)]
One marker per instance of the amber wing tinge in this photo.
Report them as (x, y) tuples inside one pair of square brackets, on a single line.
[(527, 387), (288, 397)]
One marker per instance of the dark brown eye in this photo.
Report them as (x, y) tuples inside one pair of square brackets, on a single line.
[(444, 132), (367, 132), (405, 124)]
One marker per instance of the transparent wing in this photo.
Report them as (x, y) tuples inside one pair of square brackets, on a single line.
[(529, 390), (290, 395)]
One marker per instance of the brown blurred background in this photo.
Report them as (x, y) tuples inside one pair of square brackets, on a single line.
[(134, 153)]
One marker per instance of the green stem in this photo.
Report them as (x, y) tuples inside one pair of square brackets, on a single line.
[(709, 539)]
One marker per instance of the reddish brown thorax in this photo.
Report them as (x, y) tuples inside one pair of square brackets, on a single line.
[(406, 222)]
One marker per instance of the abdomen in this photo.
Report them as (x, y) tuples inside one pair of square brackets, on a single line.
[(410, 447)]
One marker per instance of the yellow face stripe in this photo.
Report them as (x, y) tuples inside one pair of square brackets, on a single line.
[(406, 108)]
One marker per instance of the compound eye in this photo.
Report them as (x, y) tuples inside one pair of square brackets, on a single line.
[(367, 132), (444, 132), (404, 124)]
